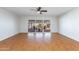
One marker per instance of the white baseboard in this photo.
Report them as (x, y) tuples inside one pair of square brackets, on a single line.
[(8, 36), (73, 38)]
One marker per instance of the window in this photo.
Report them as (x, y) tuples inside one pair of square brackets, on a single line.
[(39, 26)]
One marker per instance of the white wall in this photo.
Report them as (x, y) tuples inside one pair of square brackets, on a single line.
[(8, 24), (24, 22), (69, 24)]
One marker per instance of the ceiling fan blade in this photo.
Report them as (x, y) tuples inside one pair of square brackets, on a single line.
[(43, 10), (39, 8)]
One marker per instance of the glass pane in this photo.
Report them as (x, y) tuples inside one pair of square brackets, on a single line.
[(39, 26), (46, 25), (31, 26)]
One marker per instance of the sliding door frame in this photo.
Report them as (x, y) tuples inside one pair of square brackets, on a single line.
[(43, 30)]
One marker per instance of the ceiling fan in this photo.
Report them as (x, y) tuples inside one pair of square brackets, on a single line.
[(40, 10)]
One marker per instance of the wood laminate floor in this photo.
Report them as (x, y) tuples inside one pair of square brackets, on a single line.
[(39, 42)]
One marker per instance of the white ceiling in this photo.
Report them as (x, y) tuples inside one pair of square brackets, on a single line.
[(27, 11)]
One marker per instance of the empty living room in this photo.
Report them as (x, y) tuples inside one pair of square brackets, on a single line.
[(39, 29)]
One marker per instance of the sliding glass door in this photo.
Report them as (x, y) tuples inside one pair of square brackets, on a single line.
[(39, 26), (31, 26), (46, 26)]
